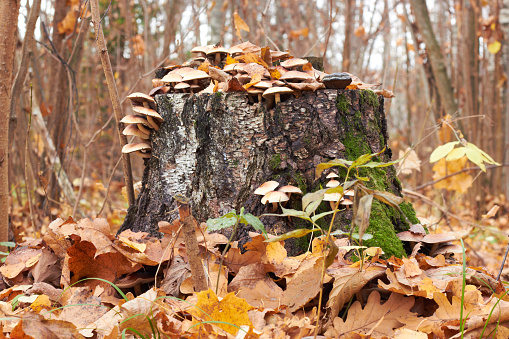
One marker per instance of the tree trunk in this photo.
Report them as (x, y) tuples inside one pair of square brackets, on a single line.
[(216, 149), (9, 10), (436, 58)]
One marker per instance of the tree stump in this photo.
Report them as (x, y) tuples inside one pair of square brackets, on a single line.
[(216, 149)]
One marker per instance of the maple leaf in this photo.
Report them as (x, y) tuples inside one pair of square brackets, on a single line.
[(367, 320)]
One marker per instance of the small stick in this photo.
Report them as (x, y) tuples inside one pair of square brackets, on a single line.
[(503, 263), (189, 225)]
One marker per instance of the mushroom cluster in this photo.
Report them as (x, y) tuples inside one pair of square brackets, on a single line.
[(345, 199), (270, 195), (267, 75), (141, 123), (438, 243)]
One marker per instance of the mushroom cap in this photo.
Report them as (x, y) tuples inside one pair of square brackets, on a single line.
[(271, 92), (182, 85), (172, 78), (134, 130), (409, 236), (200, 49), (236, 50), (182, 70), (263, 85), (295, 76), (448, 248), (266, 187), (139, 146), (157, 83), (332, 175), (134, 119), (332, 183), (138, 98), (252, 90), (215, 50), (346, 202), (195, 75), (290, 189), (276, 55), (331, 197), (237, 67), (274, 196), (438, 238), (295, 62), (350, 193), (147, 111), (337, 80)]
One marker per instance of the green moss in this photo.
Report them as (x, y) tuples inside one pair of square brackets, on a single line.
[(301, 182), (382, 230), (275, 162), (355, 146), (369, 97), (219, 94), (409, 211), (342, 103)]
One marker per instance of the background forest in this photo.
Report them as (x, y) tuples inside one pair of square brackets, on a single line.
[(443, 59)]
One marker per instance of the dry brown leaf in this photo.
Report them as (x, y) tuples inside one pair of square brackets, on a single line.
[(304, 284), (348, 281), (178, 271), (248, 47), (385, 93), (36, 326), (19, 260), (240, 25), (234, 259), (367, 320), (410, 163), (86, 308), (264, 294)]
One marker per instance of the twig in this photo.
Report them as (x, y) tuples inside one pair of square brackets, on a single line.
[(112, 88), (27, 183), (82, 180), (458, 172), (329, 30), (503, 263), (109, 187)]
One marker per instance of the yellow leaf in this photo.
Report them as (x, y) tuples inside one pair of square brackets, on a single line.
[(230, 60), (240, 25), (494, 47), (460, 182), (231, 310), (42, 302)]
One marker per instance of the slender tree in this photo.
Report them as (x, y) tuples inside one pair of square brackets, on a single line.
[(9, 10), (436, 58)]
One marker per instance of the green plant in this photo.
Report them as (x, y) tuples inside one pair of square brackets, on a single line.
[(5, 254)]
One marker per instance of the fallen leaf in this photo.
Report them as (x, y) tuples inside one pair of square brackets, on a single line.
[(240, 25)]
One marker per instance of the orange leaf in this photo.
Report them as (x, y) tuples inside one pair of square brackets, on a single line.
[(240, 25)]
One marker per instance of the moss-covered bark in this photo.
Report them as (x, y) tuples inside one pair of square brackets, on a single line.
[(217, 148)]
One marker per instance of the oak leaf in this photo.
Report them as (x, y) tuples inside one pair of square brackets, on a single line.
[(367, 320), (240, 25)]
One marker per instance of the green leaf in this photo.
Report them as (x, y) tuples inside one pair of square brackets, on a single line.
[(255, 222), (312, 197), (314, 218), (336, 162), (476, 157), (7, 243), (376, 164), (363, 213), (221, 223), (293, 234), (361, 160), (365, 236), (456, 154), (337, 189), (442, 151)]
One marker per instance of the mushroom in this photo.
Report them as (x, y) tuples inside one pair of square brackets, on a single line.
[(254, 92), (141, 148), (233, 69), (157, 83), (182, 87), (134, 130), (346, 202), (289, 189), (437, 239), (172, 79), (337, 80), (216, 53), (274, 197), (412, 238), (349, 194), (332, 175), (263, 85), (332, 183), (276, 92), (294, 63), (199, 51), (235, 51), (192, 77), (266, 187), (153, 118), (277, 55), (142, 123), (447, 249), (332, 198), (295, 76), (141, 99)]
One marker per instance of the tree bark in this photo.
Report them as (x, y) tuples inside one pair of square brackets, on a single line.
[(443, 82), (218, 148), (9, 10)]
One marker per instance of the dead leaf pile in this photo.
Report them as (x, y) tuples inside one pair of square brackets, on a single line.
[(80, 281)]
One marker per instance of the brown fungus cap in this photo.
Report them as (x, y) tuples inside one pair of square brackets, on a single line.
[(294, 63), (135, 131), (295, 76), (276, 92), (266, 187), (139, 146)]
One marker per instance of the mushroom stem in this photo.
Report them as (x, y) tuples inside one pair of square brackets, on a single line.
[(144, 129), (274, 207), (260, 97), (152, 123), (277, 98), (218, 58), (144, 155)]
